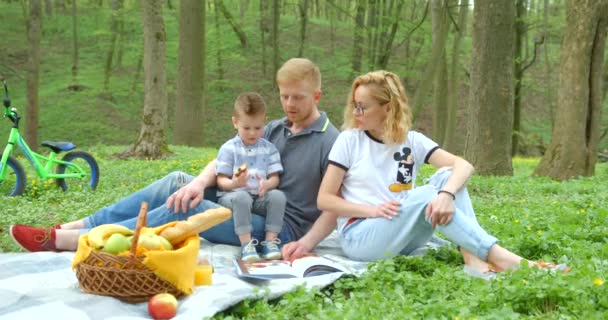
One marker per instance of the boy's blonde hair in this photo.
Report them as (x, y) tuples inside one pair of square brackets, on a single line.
[(385, 87), (249, 104), (300, 69)]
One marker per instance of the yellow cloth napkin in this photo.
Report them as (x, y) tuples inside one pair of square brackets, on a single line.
[(176, 266)]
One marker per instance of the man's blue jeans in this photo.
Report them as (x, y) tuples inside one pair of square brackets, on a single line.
[(125, 211)]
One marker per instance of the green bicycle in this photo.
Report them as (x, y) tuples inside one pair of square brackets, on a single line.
[(79, 166)]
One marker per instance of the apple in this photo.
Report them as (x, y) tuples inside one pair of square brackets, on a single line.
[(116, 244), (150, 241), (162, 306), (166, 244)]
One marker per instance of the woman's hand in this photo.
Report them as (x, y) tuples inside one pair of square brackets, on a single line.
[(387, 210), (440, 210)]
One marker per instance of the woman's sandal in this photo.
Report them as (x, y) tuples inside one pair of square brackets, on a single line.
[(552, 266), (485, 275)]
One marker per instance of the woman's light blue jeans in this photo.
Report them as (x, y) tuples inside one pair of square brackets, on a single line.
[(125, 211), (374, 239)]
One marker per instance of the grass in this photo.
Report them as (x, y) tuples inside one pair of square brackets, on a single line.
[(536, 217)]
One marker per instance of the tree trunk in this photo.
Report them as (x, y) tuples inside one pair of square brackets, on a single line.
[(75, 86), (243, 9), (276, 17), (490, 114), (303, 6), (520, 30), (263, 30), (233, 23), (219, 42), (449, 141), (151, 142), (573, 149), (547, 70), (372, 31), (114, 25), (190, 96), (437, 50), (34, 34), (48, 8), (441, 27), (386, 50), (358, 39)]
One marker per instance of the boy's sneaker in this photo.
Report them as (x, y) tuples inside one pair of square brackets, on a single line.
[(33, 239), (248, 251), (270, 249)]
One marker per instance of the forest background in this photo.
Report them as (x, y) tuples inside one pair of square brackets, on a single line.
[(91, 70)]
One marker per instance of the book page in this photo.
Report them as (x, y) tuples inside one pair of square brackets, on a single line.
[(266, 269), (313, 266)]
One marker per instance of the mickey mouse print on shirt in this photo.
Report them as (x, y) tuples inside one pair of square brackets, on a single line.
[(405, 169)]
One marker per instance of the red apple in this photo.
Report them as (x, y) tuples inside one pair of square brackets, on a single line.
[(162, 306)]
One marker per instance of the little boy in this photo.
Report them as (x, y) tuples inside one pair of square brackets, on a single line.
[(247, 170)]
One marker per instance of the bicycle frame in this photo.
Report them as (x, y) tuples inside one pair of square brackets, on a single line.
[(43, 165)]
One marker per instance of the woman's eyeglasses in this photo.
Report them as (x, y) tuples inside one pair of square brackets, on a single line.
[(360, 109)]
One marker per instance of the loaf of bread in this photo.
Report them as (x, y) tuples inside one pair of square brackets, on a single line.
[(195, 224)]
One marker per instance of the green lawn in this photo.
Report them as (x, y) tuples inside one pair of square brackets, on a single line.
[(536, 217)]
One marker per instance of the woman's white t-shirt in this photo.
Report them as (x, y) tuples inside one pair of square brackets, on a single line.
[(378, 172)]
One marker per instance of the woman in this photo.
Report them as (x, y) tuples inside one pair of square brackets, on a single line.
[(370, 180)]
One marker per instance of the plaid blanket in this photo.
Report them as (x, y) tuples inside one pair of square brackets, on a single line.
[(44, 286)]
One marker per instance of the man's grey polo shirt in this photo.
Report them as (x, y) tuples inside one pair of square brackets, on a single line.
[(304, 158)]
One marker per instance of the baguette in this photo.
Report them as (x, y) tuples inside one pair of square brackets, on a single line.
[(195, 224)]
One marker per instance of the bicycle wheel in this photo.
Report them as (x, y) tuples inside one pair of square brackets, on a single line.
[(15, 180), (87, 162)]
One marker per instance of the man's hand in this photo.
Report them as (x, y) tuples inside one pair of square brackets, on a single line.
[(440, 210), (191, 193), (295, 250)]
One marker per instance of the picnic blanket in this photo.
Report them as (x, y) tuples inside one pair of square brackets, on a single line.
[(44, 286)]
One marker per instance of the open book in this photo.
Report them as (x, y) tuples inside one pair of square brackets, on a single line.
[(308, 266)]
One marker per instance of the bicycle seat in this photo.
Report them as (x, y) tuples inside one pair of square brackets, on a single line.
[(59, 146)]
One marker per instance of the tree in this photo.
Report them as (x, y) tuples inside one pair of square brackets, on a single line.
[(114, 30), (75, 57), (34, 33), (358, 38), (151, 141), (233, 23), (449, 140), (274, 35), (190, 97), (490, 112), (303, 9), (437, 50), (219, 52), (441, 27), (576, 131)]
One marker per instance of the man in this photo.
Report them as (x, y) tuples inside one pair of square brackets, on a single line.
[(303, 137)]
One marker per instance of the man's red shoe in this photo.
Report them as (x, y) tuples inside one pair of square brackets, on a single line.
[(33, 239)]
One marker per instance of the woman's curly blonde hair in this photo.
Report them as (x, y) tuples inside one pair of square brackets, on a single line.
[(385, 87)]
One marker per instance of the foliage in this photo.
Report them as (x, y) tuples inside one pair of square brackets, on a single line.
[(536, 217), (98, 117)]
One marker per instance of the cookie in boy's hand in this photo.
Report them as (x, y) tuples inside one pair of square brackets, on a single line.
[(240, 170)]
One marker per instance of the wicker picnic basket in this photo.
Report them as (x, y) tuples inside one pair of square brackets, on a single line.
[(124, 277)]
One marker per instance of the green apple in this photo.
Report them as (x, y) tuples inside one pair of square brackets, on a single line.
[(166, 244), (116, 244), (150, 241)]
